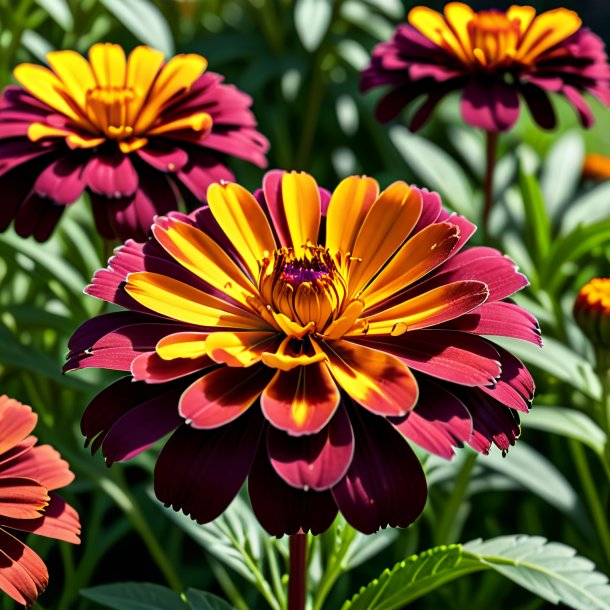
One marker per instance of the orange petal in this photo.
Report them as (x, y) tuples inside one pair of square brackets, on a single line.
[(430, 308), (240, 349), (244, 223), (22, 498), (182, 345), (421, 254), (387, 225), (378, 381), (16, 422), (301, 200), (42, 464)]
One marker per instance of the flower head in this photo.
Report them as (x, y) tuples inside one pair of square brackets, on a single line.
[(29, 476), (136, 133), (493, 58), (300, 339), (592, 311), (596, 167)]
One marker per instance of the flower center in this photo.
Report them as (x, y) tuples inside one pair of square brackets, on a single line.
[(108, 109), (494, 38), (305, 285)]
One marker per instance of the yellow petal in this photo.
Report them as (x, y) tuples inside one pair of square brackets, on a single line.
[(200, 254), (290, 328), (46, 86), (109, 64), (75, 73), (143, 66), (345, 321), (199, 121), (386, 226), (240, 349), (244, 223), (284, 360), (133, 144), (301, 200), (182, 302), (182, 345), (39, 131), (459, 15), (177, 76), (425, 251), (433, 307), (348, 206), (546, 31), (525, 15)]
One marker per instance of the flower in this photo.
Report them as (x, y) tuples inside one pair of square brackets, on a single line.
[(592, 311), (299, 338), (138, 134), (493, 58), (596, 167), (29, 475)]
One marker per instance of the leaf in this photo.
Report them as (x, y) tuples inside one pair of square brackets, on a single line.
[(198, 600), (311, 20), (59, 11), (587, 209), (537, 222), (135, 596), (36, 44), (144, 20), (569, 423), (561, 171), (551, 571), (436, 169)]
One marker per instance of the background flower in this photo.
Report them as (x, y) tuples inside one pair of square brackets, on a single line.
[(352, 319), (29, 475), (137, 133), (494, 58)]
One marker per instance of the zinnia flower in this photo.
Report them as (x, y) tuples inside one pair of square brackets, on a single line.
[(596, 167), (493, 58), (138, 134), (29, 475), (300, 339), (592, 311)]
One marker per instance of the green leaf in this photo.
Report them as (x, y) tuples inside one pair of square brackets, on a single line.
[(311, 20), (569, 423), (135, 596), (59, 11), (198, 600), (436, 169), (144, 20), (551, 571), (537, 222), (587, 209), (36, 44)]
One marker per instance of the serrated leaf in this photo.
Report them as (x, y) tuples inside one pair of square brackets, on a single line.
[(135, 596), (144, 20), (436, 169), (311, 20), (198, 600), (569, 423)]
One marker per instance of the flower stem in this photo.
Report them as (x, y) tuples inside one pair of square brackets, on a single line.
[(491, 150), (297, 579)]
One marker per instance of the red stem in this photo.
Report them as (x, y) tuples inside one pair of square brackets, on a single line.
[(297, 579), (491, 151)]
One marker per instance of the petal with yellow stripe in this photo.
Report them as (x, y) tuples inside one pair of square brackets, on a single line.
[(241, 349), (301, 200), (76, 74), (181, 345)]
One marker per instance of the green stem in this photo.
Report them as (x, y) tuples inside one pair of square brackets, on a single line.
[(590, 489), (226, 583), (276, 579), (452, 505)]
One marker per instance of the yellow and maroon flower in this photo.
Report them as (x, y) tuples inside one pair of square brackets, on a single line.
[(592, 311), (494, 58), (29, 476), (299, 338), (137, 133)]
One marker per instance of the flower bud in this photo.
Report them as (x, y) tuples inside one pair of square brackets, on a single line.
[(592, 311)]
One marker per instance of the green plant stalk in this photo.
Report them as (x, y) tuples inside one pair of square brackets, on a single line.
[(226, 583), (446, 521), (274, 570)]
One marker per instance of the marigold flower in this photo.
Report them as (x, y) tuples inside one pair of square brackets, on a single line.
[(299, 338), (592, 311), (596, 167), (136, 133), (29, 475), (494, 58)]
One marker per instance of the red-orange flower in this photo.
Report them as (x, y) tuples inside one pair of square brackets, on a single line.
[(298, 339), (29, 475)]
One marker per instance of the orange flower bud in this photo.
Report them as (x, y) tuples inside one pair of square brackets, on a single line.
[(592, 311)]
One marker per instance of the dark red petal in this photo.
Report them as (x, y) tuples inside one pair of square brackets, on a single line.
[(540, 106), (385, 484), (62, 180), (201, 471), (111, 176), (492, 105), (284, 510), (317, 461), (439, 422), (151, 368)]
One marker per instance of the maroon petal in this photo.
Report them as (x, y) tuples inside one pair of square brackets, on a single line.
[(580, 105), (272, 189), (163, 156), (491, 105), (285, 510), (540, 106), (385, 484), (222, 395), (111, 176), (201, 471), (151, 368), (317, 461), (439, 422), (37, 216), (202, 170), (62, 180)]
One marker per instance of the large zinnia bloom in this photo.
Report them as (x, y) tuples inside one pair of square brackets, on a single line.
[(299, 339), (29, 474), (494, 58), (137, 133)]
